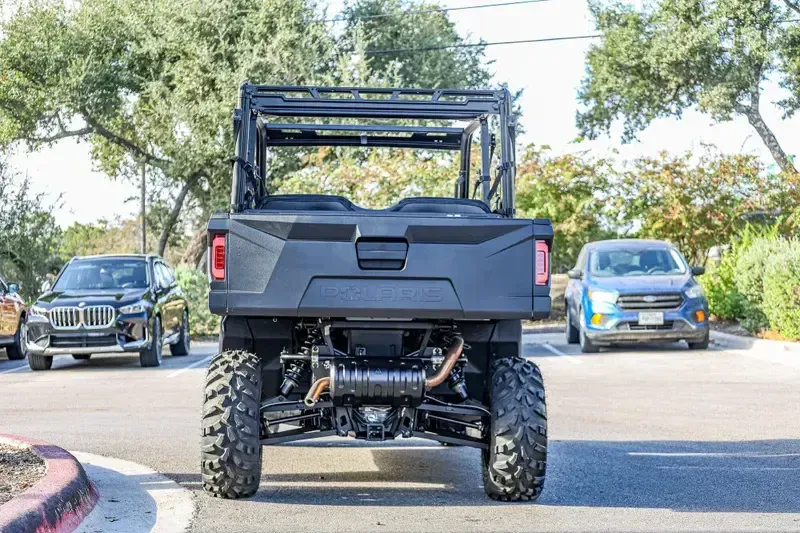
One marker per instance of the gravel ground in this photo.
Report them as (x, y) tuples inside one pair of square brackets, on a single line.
[(20, 468)]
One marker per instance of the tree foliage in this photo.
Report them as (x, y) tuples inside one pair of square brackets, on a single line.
[(151, 82), (29, 236), (678, 54), (696, 204), (379, 25), (571, 191), (377, 179)]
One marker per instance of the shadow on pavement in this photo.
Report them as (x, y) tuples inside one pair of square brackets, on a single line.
[(687, 476)]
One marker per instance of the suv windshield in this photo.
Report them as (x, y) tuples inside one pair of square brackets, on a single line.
[(637, 262), (103, 274)]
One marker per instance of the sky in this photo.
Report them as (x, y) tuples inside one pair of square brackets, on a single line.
[(550, 74)]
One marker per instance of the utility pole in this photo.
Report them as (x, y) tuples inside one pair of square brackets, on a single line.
[(144, 220)]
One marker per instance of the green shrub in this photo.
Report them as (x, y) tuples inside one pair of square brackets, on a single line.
[(781, 298), (195, 285), (724, 301), (758, 245)]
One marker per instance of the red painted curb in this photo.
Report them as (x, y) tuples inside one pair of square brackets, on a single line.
[(58, 502)]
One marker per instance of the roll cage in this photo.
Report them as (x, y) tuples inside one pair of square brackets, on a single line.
[(256, 130)]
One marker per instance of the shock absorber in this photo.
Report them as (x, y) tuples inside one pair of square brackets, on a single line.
[(297, 372), (300, 371), (457, 383)]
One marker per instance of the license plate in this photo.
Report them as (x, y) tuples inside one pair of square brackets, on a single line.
[(651, 319)]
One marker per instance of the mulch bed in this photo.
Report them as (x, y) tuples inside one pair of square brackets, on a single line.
[(20, 469)]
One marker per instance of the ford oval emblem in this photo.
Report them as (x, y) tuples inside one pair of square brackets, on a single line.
[(82, 304), (650, 299)]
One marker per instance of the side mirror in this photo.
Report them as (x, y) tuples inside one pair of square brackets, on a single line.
[(46, 286), (13, 288), (698, 271), (575, 274)]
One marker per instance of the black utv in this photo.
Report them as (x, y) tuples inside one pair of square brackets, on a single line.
[(376, 323)]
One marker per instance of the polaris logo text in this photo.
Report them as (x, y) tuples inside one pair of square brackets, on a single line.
[(383, 294)]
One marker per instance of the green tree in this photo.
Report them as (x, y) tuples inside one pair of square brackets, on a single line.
[(571, 191), (29, 236), (379, 25), (694, 204), (374, 179), (151, 82), (678, 54)]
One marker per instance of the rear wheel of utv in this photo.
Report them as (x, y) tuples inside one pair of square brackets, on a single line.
[(514, 465), (573, 334), (152, 356), (40, 362), (230, 458), (183, 345)]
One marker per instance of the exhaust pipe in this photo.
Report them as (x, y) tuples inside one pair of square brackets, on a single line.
[(316, 390), (453, 353)]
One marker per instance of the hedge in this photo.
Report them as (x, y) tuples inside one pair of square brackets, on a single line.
[(781, 298), (195, 285)]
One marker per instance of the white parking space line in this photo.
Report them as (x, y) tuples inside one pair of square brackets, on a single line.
[(755, 455), (189, 367), (552, 349), (16, 369)]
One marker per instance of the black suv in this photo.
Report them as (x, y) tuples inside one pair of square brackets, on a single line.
[(109, 304)]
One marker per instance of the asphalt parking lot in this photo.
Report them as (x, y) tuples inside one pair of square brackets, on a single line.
[(645, 439)]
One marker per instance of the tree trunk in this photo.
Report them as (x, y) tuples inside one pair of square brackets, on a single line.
[(755, 119), (172, 219), (194, 251)]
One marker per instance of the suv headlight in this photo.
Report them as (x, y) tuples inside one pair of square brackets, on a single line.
[(138, 307), (598, 296), (695, 291), (38, 311)]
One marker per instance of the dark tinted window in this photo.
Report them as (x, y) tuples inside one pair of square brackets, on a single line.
[(103, 273)]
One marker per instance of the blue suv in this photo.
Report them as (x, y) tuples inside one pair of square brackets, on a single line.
[(635, 291)]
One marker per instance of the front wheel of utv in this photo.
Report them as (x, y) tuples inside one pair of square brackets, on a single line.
[(230, 458), (514, 465)]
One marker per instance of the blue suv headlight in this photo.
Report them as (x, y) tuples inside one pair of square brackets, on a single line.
[(601, 296), (695, 291)]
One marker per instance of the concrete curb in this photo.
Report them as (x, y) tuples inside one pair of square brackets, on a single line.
[(750, 343), (58, 502)]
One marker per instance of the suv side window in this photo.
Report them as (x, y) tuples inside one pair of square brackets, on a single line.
[(164, 276), (170, 275), (581, 264)]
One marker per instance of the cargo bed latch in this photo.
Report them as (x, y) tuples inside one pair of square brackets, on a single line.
[(383, 254)]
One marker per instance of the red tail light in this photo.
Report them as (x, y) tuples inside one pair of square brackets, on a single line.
[(542, 263), (218, 258)]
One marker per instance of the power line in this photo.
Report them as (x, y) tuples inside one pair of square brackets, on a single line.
[(433, 10), (478, 45)]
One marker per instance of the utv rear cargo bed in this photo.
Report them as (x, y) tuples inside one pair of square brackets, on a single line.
[(379, 264)]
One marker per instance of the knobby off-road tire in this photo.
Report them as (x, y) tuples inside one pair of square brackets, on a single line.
[(183, 345), (514, 465), (40, 362), (230, 455)]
